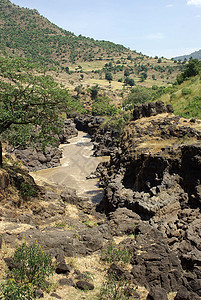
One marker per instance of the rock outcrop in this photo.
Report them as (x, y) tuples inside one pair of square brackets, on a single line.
[(104, 138), (152, 184), (36, 158)]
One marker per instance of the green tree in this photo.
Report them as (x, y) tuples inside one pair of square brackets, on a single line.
[(94, 91), (126, 72), (191, 69), (28, 96), (102, 107), (108, 76), (129, 81), (137, 95)]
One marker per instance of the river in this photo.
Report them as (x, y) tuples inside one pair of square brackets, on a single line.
[(76, 164)]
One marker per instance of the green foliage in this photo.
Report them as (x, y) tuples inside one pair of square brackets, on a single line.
[(114, 254), (94, 91), (129, 81), (14, 290), (25, 31), (126, 72), (33, 266), (193, 108), (18, 136), (27, 190), (117, 123), (191, 69), (102, 107), (186, 91), (114, 289), (137, 95), (108, 76), (31, 99)]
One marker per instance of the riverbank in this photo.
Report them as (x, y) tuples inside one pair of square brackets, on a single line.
[(77, 163)]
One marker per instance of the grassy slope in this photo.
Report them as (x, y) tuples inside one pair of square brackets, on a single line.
[(26, 32), (185, 105)]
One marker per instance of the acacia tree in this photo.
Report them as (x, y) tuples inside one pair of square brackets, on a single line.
[(29, 96)]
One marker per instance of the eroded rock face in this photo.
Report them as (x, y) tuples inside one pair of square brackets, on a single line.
[(153, 181), (104, 138), (4, 179), (151, 109), (35, 158)]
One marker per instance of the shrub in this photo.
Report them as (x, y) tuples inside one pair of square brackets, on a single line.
[(17, 290), (32, 267), (114, 289), (186, 91), (102, 107), (27, 190), (137, 95), (114, 254)]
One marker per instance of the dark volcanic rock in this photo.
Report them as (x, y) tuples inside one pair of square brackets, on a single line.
[(68, 242), (10, 263), (151, 109), (153, 191), (35, 158), (63, 268), (66, 281), (154, 264), (84, 285), (157, 293), (54, 295), (105, 139)]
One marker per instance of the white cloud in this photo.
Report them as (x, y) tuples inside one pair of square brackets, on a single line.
[(155, 36), (169, 5), (194, 2)]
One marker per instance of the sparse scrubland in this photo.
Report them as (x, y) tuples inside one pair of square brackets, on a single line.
[(142, 241)]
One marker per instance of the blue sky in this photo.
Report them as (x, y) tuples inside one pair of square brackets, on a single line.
[(154, 27)]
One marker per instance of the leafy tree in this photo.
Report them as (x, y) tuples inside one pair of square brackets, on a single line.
[(192, 69), (137, 95), (143, 76), (29, 97), (108, 76), (126, 72), (102, 107), (129, 81), (94, 91)]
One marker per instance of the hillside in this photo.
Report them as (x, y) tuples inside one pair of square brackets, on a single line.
[(196, 54), (185, 98), (82, 60)]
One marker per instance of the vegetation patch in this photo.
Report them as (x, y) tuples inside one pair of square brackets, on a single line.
[(32, 266)]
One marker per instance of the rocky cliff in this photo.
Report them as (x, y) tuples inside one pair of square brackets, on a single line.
[(152, 203), (156, 175)]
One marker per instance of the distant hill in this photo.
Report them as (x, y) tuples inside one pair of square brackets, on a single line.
[(196, 54), (24, 32), (27, 32)]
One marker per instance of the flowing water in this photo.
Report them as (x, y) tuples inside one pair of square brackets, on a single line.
[(76, 164)]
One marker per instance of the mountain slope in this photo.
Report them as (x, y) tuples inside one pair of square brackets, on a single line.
[(196, 54), (24, 32)]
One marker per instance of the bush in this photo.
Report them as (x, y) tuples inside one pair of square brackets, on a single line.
[(27, 190), (102, 107), (114, 289), (137, 95), (17, 290), (32, 267), (113, 254), (186, 91)]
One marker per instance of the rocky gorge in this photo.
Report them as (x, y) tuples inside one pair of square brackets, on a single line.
[(151, 205)]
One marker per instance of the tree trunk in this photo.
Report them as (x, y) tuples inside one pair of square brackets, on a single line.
[(1, 160)]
